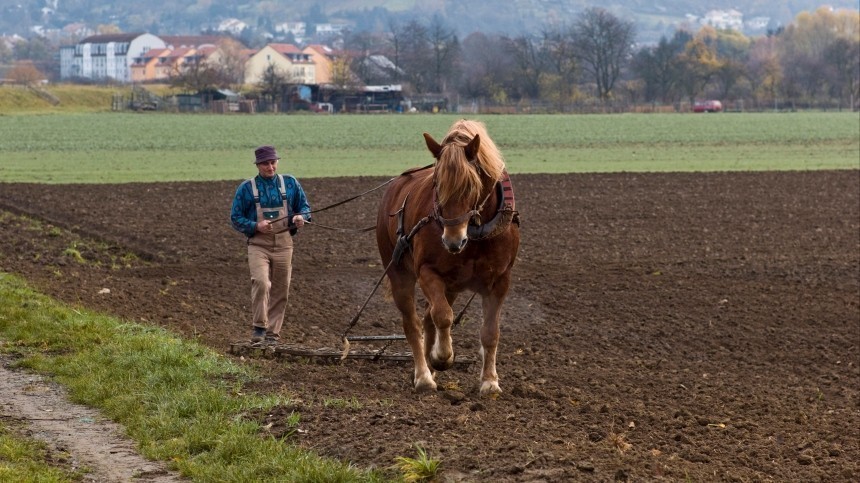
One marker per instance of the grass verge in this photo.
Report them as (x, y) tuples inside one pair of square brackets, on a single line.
[(181, 402), (26, 460)]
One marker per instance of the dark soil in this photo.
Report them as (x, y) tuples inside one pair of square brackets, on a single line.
[(681, 326)]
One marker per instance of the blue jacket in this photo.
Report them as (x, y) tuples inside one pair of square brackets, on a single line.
[(243, 214)]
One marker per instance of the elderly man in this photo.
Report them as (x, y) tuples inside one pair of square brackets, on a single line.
[(269, 209)]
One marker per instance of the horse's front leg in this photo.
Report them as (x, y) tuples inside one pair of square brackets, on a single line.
[(440, 350), (403, 292), (492, 308)]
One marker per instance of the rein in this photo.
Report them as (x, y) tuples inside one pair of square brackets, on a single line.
[(368, 228)]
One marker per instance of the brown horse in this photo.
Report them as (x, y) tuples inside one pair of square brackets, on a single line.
[(450, 228)]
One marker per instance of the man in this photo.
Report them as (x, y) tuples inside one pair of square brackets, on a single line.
[(268, 209)]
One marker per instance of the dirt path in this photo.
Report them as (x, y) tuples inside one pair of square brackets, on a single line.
[(91, 441)]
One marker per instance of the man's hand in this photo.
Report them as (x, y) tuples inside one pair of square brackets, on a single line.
[(264, 226), (298, 220)]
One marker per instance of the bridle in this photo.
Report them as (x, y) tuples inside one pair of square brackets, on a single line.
[(473, 216)]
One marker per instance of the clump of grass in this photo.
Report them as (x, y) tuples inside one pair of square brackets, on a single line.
[(422, 468), (75, 254), (25, 459)]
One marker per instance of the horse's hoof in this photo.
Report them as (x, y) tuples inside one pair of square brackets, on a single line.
[(490, 388), (425, 385), (442, 365)]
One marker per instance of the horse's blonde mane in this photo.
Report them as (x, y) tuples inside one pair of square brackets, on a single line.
[(454, 176)]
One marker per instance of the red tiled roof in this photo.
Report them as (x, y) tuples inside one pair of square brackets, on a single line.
[(179, 53), (192, 41), (285, 48), (153, 53)]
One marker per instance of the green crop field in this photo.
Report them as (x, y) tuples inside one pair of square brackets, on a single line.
[(111, 147)]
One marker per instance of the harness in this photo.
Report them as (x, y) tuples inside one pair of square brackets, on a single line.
[(505, 215)]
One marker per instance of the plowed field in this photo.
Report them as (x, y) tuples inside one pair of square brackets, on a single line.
[(682, 326)]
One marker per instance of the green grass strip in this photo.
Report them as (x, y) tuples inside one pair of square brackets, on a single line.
[(182, 403), (121, 148)]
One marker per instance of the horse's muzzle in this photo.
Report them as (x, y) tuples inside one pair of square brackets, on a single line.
[(455, 246)]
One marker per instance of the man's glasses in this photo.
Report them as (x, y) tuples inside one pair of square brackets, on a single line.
[(266, 163)]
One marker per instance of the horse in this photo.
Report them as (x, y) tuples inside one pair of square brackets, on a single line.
[(451, 227)]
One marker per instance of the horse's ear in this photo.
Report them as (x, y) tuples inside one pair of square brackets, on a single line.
[(472, 148), (432, 145)]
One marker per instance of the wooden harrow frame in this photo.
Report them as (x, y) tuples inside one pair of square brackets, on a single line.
[(331, 355)]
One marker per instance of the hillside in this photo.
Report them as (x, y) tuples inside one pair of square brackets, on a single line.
[(513, 17)]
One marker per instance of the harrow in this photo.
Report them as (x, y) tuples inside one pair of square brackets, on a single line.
[(332, 355)]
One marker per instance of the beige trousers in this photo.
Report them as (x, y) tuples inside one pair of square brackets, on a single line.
[(271, 271)]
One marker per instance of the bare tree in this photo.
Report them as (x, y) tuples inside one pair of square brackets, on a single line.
[(559, 54), (445, 47), (417, 57), (395, 43), (24, 72), (195, 76), (603, 46), (486, 69), (527, 55), (843, 61), (273, 84), (231, 62)]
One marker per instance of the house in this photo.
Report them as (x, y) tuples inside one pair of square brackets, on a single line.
[(144, 67), (287, 60), (322, 57), (107, 57), (231, 26), (724, 19), (135, 57), (162, 64)]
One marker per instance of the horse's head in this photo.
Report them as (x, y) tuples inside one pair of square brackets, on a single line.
[(457, 187)]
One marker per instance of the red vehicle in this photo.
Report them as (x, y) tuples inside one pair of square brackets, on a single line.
[(708, 106)]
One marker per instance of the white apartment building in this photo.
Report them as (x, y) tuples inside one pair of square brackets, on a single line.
[(106, 57)]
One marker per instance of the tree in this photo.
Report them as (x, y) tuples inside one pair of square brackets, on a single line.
[(842, 58), (603, 45), (764, 70), (486, 68), (417, 57), (37, 49), (559, 54), (805, 47), (395, 42), (196, 76), (732, 49), (445, 47), (526, 53), (231, 62), (659, 68), (273, 84), (24, 72), (698, 64)]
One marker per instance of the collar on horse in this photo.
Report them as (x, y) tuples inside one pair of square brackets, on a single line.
[(505, 215)]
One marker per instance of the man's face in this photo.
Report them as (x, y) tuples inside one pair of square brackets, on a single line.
[(267, 168)]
